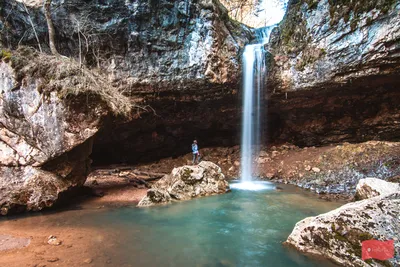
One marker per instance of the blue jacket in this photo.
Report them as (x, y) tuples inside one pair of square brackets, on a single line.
[(195, 149)]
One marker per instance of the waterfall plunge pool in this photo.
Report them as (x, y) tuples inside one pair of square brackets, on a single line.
[(240, 228)]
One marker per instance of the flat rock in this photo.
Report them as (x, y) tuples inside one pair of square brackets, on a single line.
[(10, 242)]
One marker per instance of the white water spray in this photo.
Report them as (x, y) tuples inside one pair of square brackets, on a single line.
[(254, 73)]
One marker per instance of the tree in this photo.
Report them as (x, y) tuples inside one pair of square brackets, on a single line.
[(50, 27), (33, 26), (242, 10)]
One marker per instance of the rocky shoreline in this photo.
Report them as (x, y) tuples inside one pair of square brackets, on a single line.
[(330, 171)]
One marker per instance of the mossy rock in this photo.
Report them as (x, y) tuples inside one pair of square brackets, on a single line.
[(5, 55), (355, 8)]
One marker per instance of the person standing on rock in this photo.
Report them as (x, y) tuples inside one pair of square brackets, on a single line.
[(195, 151)]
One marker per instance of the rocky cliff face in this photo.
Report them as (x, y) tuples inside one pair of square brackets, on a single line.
[(147, 46), (333, 73), (46, 130), (180, 59), (174, 59), (333, 43)]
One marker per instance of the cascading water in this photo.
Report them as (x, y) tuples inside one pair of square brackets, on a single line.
[(254, 73)]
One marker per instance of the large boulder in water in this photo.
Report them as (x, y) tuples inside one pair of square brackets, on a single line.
[(372, 187), (187, 182), (338, 234)]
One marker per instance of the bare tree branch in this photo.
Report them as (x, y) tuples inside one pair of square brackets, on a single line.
[(50, 26), (33, 27)]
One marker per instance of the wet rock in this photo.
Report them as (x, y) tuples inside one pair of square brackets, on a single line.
[(187, 182), (155, 196), (343, 166), (337, 235), (372, 187)]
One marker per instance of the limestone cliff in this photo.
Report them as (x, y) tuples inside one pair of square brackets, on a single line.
[(147, 46), (334, 43), (334, 72), (162, 55), (50, 108)]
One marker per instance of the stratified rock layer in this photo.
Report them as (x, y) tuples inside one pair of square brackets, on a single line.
[(334, 72), (160, 53), (337, 235), (187, 182), (333, 43), (149, 47)]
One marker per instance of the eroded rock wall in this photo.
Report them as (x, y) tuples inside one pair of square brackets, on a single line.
[(334, 72), (147, 46), (177, 60), (45, 140), (333, 43)]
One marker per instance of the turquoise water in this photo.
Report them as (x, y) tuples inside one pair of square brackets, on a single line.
[(242, 228)]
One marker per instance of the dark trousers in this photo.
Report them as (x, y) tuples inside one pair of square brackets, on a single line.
[(196, 157)]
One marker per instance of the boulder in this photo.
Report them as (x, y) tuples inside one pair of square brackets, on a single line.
[(337, 235), (45, 138), (372, 187), (187, 182)]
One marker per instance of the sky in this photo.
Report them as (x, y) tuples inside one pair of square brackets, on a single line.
[(273, 11)]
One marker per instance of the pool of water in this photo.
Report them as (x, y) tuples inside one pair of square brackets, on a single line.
[(242, 228)]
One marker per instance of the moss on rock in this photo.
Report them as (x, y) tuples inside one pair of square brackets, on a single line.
[(354, 9)]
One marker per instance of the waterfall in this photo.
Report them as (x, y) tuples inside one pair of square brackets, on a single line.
[(254, 73)]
